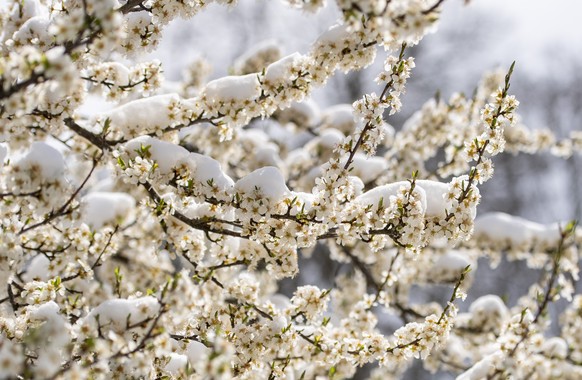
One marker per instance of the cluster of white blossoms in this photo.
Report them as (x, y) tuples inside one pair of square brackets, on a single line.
[(161, 238), (116, 80)]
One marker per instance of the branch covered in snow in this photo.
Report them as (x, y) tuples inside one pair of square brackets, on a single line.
[(162, 238)]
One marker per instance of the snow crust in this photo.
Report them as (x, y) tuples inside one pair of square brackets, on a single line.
[(121, 72), (100, 208), (516, 230), (280, 70), (357, 184), (432, 194), (297, 155), (456, 347), (265, 151), (268, 180), (166, 154), (368, 168), (37, 269), (29, 9), (330, 138), (480, 369), (487, 305), (254, 136), (54, 325), (204, 210), (34, 26), (280, 301), (234, 88), (142, 114), (555, 347), (117, 313), (306, 199), (204, 169), (307, 111), (50, 160), (196, 352), (384, 192), (177, 363), (435, 196), (448, 267), (93, 106), (269, 155), (45, 311), (335, 33), (340, 117)]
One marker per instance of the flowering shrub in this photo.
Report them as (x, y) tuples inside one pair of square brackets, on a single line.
[(150, 241)]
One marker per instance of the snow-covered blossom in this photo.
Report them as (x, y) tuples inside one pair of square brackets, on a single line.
[(172, 235)]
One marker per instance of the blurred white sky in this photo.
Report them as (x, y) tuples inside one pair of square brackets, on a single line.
[(535, 33)]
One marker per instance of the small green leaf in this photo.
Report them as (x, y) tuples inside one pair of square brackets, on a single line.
[(332, 371)]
